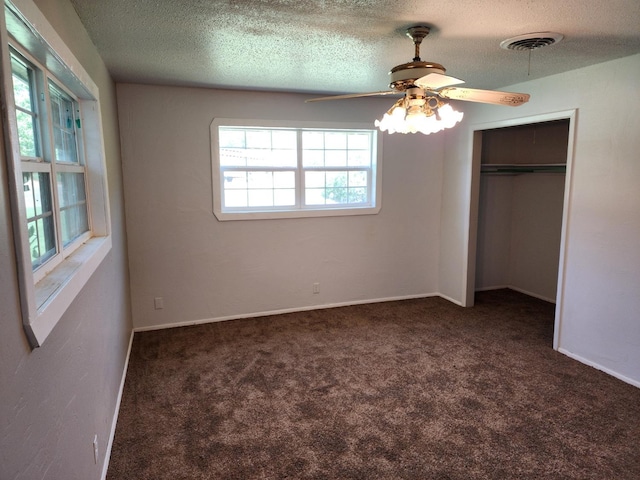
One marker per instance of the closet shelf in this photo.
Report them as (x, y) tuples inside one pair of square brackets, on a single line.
[(519, 169)]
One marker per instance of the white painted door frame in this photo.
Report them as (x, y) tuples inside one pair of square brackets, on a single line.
[(474, 197)]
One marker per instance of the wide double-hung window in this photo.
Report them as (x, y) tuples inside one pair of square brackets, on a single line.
[(265, 169), (53, 141)]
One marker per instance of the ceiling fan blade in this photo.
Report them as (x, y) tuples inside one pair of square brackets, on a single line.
[(485, 96), (352, 95), (433, 81)]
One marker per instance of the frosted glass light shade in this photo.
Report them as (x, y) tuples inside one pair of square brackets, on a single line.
[(426, 121)]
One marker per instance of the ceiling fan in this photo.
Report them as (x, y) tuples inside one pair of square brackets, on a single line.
[(424, 84)]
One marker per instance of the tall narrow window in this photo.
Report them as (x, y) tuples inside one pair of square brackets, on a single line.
[(50, 152)]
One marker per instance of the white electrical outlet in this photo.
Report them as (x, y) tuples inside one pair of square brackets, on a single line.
[(95, 449), (316, 288)]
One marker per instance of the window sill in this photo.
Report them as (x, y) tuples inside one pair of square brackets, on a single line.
[(301, 213), (57, 290)]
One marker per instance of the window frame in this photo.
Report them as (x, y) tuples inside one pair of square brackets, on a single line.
[(47, 293), (299, 210), (47, 162)]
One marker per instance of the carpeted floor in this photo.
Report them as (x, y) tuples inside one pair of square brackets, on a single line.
[(416, 389)]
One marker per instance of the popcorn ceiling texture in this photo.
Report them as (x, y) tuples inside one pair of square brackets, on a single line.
[(346, 46)]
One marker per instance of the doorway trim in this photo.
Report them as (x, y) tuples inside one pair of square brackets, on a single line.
[(474, 197)]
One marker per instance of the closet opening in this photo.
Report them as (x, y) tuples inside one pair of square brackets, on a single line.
[(521, 181)]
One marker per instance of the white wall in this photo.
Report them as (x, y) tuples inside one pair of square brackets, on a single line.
[(600, 311), (206, 269), (535, 234), (54, 399), (519, 227), (495, 224)]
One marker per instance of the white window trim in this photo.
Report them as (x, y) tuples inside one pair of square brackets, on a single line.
[(37, 164), (319, 211), (45, 302)]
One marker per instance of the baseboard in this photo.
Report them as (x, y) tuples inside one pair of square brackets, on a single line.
[(493, 287), (450, 299), (285, 310), (517, 289), (112, 434), (532, 294), (597, 366)]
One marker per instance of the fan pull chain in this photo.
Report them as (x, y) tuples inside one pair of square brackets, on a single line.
[(529, 67)]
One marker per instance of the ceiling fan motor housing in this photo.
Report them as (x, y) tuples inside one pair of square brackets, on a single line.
[(403, 76)]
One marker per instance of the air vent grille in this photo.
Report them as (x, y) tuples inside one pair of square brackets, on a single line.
[(531, 41)]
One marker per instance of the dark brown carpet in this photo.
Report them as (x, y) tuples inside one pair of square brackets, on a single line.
[(416, 389)]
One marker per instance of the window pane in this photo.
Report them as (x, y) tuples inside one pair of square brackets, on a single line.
[(258, 139), (257, 147), (260, 180), (314, 196), (314, 179), (357, 195), (23, 92), (284, 158), (235, 198), (313, 158), (337, 179), (232, 157), (358, 179), (71, 189), (63, 109), (21, 76), (359, 158), (284, 180), (333, 188), (37, 193), (41, 240), (313, 140), (359, 141), (235, 180), (29, 201), (336, 191), (335, 158), (65, 144), (40, 226), (73, 206), (284, 197), (259, 189), (230, 138), (258, 157), (261, 198), (284, 139), (73, 223), (335, 140), (270, 158), (27, 134)]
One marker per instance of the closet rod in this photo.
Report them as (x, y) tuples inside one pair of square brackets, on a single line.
[(520, 169)]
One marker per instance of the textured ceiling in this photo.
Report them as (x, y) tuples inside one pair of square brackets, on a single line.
[(340, 46)]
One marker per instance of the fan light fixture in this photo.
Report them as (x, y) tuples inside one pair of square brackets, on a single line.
[(424, 85), (417, 112)]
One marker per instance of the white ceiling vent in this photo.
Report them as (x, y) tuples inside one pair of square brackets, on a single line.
[(531, 41)]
